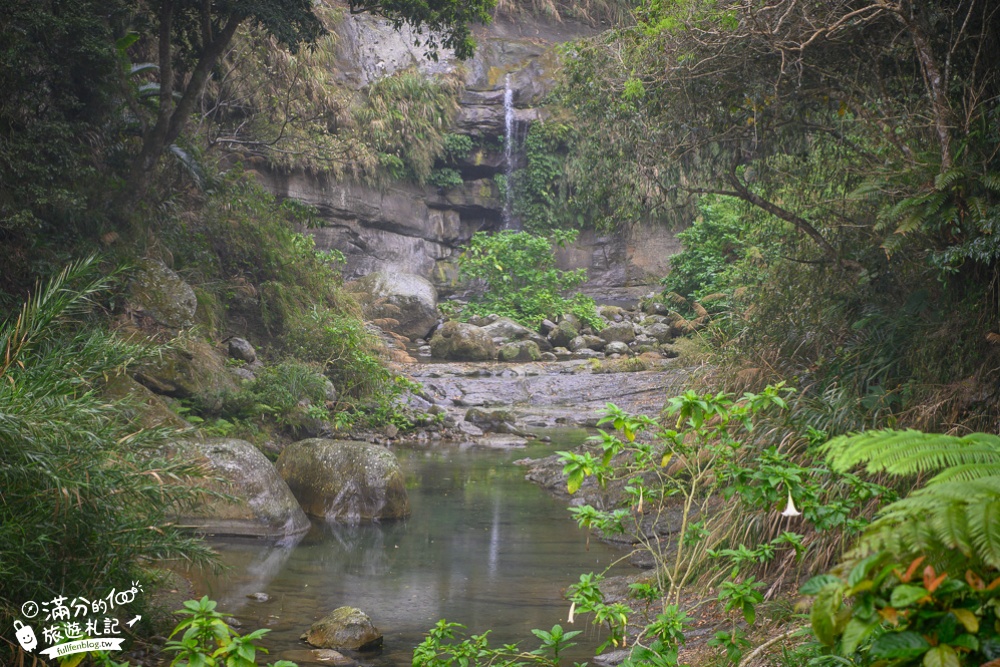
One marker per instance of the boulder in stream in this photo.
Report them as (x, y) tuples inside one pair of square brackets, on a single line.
[(618, 331), (587, 342), (522, 350), (458, 341), (264, 508), (344, 480), (507, 330), (403, 303), (344, 628), (563, 334)]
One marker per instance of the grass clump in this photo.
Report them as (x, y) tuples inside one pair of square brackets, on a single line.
[(86, 500)]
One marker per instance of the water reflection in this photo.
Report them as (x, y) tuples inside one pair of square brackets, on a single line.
[(483, 547)]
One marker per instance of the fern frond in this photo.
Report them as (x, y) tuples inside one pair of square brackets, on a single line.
[(948, 178), (962, 516), (991, 181), (910, 452), (966, 473)]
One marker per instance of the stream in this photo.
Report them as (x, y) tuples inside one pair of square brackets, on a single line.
[(483, 546)]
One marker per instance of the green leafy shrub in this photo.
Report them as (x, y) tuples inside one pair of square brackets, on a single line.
[(347, 351), (446, 178), (542, 193), (444, 647), (713, 244), (521, 280), (456, 147), (282, 394), (882, 613), (208, 641)]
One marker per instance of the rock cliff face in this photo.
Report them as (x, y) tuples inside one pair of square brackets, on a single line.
[(420, 230)]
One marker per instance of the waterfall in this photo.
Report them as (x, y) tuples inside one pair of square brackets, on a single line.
[(508, 152)]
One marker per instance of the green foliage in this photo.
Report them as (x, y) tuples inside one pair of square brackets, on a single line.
[(954, 516), (542, 193), (520, 277), (286, 394), (62, 77), (405, 116), (342, 346), (208, 641), (882, 612), (446, 178), (862, 250), (87, 499), (444, 647), (456, 147), (716, 249)]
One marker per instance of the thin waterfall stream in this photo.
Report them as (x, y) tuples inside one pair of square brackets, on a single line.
[(509, 140)]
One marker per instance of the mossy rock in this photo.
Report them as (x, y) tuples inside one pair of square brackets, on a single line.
[(157, 291), (523, 350), (194, 370), (563, 334), (458, 341), (344, 628), (618, 331), (264, 506), (344, 481), (141, 405)]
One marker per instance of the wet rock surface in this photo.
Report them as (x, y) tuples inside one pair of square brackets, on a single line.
[(344, 481), (546, 394), (263, 507), (344, 628)]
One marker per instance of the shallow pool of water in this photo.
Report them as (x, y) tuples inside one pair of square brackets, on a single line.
[(483, 547)]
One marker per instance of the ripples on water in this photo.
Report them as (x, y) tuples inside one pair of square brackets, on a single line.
[(483, 547)]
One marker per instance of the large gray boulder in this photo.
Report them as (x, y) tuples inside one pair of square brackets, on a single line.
[(458, 341), (618, 331), (563, 334), (193, 369), (508, 331), (265, 507), (662, 333), (344, 480), (157, 291), (403, 303), (587, 342), (344, 628), (522, 350)]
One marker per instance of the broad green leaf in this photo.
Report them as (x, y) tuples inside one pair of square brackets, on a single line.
[(942, 656), (824, 613), (967, 619), (817, 583), (860, 571), (899, 645), (574, 481), (749, 613), (855, 633), (906, 594)]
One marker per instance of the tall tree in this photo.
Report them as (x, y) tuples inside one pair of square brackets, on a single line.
[(192, 35)]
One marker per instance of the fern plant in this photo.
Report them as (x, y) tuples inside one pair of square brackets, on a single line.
[(956, 510)]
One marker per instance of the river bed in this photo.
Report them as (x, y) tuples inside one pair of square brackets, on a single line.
[(482, 547)]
